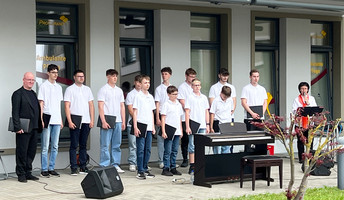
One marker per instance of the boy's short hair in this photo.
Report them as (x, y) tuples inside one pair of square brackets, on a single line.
[(166, 69), (190, 71), (196, 80), (224, 72), (78, 71), (170, 89), (52, 67), (144, 77), (226, 90), (138, 78), (111, 72), (254, 71)]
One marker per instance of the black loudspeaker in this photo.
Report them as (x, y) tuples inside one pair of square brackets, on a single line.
[(102, 183)]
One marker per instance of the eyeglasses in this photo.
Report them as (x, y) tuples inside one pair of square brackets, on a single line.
[(197, 85)]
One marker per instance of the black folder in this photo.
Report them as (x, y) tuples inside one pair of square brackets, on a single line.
[(142, 127), (194, 126), (170, 131), (256, 109), (216, 126), (311, 110), (46, 120), (111, 120), (24, 123), (76, 119)]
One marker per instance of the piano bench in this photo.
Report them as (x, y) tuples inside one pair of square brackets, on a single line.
[(255, 161)]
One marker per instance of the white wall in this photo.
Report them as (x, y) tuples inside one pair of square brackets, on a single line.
[(171, 44), (17, 55), (241, 54), (102, 57)]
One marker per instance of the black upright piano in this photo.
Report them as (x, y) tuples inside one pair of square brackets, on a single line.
[(214, 168)]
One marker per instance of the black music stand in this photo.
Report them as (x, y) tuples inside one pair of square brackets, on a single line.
[(311, 110)]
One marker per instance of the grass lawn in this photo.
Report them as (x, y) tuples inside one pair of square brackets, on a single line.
[(325, 193)]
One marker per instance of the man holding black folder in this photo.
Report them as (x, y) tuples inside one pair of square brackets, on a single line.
[(111, 107), (254, 100), (79, 110), (50, 97), (25, 105)]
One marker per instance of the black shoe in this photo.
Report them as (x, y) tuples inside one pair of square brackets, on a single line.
[(149, 175), (83, 170), (191, 170), (54, 173), (74, 172), (45, 174), (141, 176), (22, 179), (185, 163), (166, 172), (31, 177), (174, 171)]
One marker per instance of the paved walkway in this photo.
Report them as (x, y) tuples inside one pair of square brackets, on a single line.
[(160, 187)]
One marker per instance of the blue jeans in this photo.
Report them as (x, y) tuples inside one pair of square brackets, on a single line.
[(113, 136), (191, 146), (220, 149), (52, 134), (143, 151), (160, 145), (78, 137), (132, 147), (170, 153)]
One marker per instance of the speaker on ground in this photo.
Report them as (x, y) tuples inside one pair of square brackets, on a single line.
[(102, 183)]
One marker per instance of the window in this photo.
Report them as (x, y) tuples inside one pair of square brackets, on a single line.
[(136, 48), (205, 48), (57, 42), (266, 59), (321, 65)]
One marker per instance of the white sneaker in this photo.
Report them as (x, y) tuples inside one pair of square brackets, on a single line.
[(161, 165), (119, 170), (132, 168), (149, 168), (177, 165)]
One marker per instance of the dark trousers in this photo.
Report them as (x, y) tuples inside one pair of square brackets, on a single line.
[(259, 148), (78, 137), (184, 144), (301, 146), (26, 146)]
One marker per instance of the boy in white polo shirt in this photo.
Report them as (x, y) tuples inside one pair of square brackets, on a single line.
[(131, 138), (171, 113), (220, 110), (160, 98), (196, 109), (111, 102), (50, 97), (79, 101), (143, 113)]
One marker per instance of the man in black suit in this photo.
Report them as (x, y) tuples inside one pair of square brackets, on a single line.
[(25, 105)]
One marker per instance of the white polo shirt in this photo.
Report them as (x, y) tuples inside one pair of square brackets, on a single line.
[(130, 100), (255, 96), (144, 103), (174, 113), (112, 98), (197, 106), (184, 91), (161, 94), (51, 94), (221, 109), (79, 98), (215, 91)]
